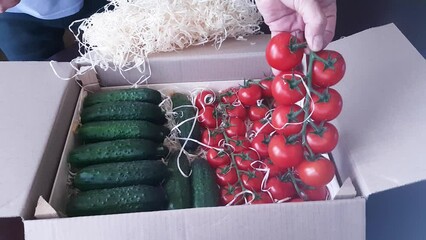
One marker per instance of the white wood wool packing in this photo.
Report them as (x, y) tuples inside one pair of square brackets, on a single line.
[(133, 29)]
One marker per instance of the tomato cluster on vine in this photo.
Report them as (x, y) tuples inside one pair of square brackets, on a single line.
[(268, 139)]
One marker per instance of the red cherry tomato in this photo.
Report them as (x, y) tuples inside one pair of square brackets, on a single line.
[(328, 107), (252, 180), (260, 144), (317, 194), (274, 170), (257, 112), (250, 94), (226, 175), (283, 154), (229, 95), (259, 198), (280, 54), (285, 121), (205, 98), (228, 193), (326, 75), (236, 110), (212, 138), (287, 88), (296, 200), (316, 173), (235, 127), (239, 144), (245, 159), (324, 140), (208, 117), (280, 190), (266, 84), (262, 126), (217, 158)]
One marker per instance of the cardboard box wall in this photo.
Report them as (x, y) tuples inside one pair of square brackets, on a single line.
[(369, 59)]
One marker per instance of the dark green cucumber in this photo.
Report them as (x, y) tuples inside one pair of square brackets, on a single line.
[(185, 110), (204, 188), (123, 111), (116, 151), (117, 200), (177, 186), (111, 175), (133, 94), (114, 130)]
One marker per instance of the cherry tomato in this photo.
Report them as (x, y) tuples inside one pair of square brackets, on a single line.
[(249, 94), (259, 198), (239, 144), (228, 193), (285, 121), (262, 126), (245, 159), (274, 170), (326, 75), (212, 138), (266, 87), (208, 117), (279, 52), (252, 180), (287, 88), (283, 154), (229, 95), (236, 110), (323, 141), (316, 173), (260, 144), (317, 194), (327, 108), (217, 158), (235, 127), (226, 175), (298, 199), (257, 112), (205, 98), (279, 189)]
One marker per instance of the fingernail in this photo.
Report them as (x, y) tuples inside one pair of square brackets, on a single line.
[(317, 43)]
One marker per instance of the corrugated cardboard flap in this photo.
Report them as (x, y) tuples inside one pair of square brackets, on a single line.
[(383, 122), (36, 108), (305, 221)]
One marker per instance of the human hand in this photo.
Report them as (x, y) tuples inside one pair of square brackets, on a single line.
[(6, 4), (316, 18)]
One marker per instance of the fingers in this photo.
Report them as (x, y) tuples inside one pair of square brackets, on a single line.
[(315, 21)]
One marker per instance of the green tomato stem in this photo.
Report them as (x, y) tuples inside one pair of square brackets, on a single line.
[(234, 163)]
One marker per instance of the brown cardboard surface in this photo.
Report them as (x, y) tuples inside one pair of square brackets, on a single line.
[(35, 112), (235, 59), (332, 220)]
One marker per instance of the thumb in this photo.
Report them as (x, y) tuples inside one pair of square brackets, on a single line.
[(315, 23)]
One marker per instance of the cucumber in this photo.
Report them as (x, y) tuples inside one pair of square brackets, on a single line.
[(117, 200), (185, 110), (204, 188), (111, 175), (178, 187), (114, 130), (134, 94), (123, 111), (116, 151)]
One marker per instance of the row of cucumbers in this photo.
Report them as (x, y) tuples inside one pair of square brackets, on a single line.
[(119, 164)]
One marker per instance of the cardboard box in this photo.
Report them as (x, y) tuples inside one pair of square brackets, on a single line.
[(385, 76)]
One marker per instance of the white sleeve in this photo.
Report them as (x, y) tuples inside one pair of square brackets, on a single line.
[(48, 9)]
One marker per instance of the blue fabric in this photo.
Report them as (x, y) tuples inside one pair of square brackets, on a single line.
[(26, 38)]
